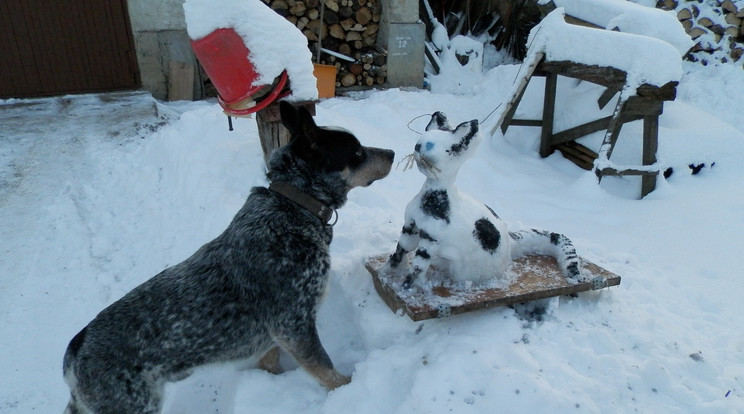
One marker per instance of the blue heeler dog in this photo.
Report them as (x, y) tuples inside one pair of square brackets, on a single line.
[(254, 288)]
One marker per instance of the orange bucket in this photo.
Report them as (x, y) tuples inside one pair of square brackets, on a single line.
[(326, 80)]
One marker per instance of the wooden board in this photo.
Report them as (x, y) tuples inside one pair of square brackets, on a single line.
[(181, 82), (537, 277)]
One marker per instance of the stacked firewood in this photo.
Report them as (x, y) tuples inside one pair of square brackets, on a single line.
[(716, 26), (346, 30)]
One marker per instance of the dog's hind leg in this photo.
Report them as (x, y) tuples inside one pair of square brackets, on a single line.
[(270, 361), (306, 348), (116, 393)]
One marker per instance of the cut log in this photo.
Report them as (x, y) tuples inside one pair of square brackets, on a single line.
[(348, 79), (337, 31), (363, 15)]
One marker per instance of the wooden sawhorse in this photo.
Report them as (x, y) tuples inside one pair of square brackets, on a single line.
[(647, 104)]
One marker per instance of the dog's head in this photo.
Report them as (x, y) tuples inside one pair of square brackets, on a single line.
[(440, 152), (333, 149)]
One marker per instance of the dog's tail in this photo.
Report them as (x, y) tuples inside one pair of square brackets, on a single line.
[(545, 242)]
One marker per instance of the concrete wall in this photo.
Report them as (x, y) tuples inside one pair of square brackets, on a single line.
[(160, 37), (402, 35)]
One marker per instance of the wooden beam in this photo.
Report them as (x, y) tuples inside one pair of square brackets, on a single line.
[(518, 93), (650, 146), (589, 128), (607, 171), (578, 154), (526, 122), (601, 75), (607, 95), (548, 114), (667, 92)]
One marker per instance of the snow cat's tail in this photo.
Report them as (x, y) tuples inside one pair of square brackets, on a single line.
[(545, 242)]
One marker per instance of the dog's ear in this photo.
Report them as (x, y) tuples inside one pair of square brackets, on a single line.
[(298, 121), (439, 121), (464, 134)]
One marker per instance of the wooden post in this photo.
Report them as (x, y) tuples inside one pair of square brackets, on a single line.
[(650, 145), (270, 129), (516, 94), (551, 80)]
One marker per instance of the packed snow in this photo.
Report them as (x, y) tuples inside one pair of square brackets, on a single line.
[(629, 17), (274, 43), (645, 59), (100, 192)]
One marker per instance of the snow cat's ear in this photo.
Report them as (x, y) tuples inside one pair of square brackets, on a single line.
[(464, 134), (299, 122), (439, 121)]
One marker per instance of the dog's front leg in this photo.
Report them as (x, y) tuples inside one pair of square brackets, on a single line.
[(304, 345), (269, 362)]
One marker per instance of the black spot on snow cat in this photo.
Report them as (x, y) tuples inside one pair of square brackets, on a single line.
[(487, 235), (436, 204)]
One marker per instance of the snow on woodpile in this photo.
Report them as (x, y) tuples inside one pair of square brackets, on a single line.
[(274, 43), (629, 17), (645, 59)]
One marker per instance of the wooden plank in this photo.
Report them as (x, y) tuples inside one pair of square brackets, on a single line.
[(523, 77), (578, 154), (667, 92), (579, 22), (181, 81), (607, 95), (527, 122), (650, 146), (601, 75), (546, 148), (538, 277), (608, 171), (589, 128)]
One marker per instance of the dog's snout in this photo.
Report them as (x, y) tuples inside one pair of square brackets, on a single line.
[(417, 148), (390, 154)]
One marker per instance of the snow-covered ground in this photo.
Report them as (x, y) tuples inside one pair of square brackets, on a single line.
[(98, 193)]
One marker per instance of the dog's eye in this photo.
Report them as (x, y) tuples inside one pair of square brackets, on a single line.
[(359, 156)]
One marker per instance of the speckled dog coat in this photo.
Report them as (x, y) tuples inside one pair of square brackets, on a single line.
[(253, 288)]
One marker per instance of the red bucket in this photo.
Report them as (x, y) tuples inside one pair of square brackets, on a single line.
[(224, 57)]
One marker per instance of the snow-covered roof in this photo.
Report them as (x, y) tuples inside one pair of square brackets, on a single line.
[(645, 59), (274, 43), (629, 17)]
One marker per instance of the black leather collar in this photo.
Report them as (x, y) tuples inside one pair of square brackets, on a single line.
[(308, 202)]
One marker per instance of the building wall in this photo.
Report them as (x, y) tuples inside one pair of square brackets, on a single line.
[(160, 37)]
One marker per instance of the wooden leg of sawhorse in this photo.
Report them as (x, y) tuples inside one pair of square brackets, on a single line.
[(546, 147), (650, 145)]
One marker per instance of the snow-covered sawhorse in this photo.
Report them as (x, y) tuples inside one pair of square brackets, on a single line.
[(644, 83)]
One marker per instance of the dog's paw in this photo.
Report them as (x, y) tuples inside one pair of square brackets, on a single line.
[(335, 380), (270, 362)]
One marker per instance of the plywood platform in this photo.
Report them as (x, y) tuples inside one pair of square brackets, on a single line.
[(537, 277)]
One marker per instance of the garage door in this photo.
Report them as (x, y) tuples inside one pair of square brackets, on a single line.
[(54, 47)]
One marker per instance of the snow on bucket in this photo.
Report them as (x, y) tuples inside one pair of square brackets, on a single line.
[(225, 58)]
